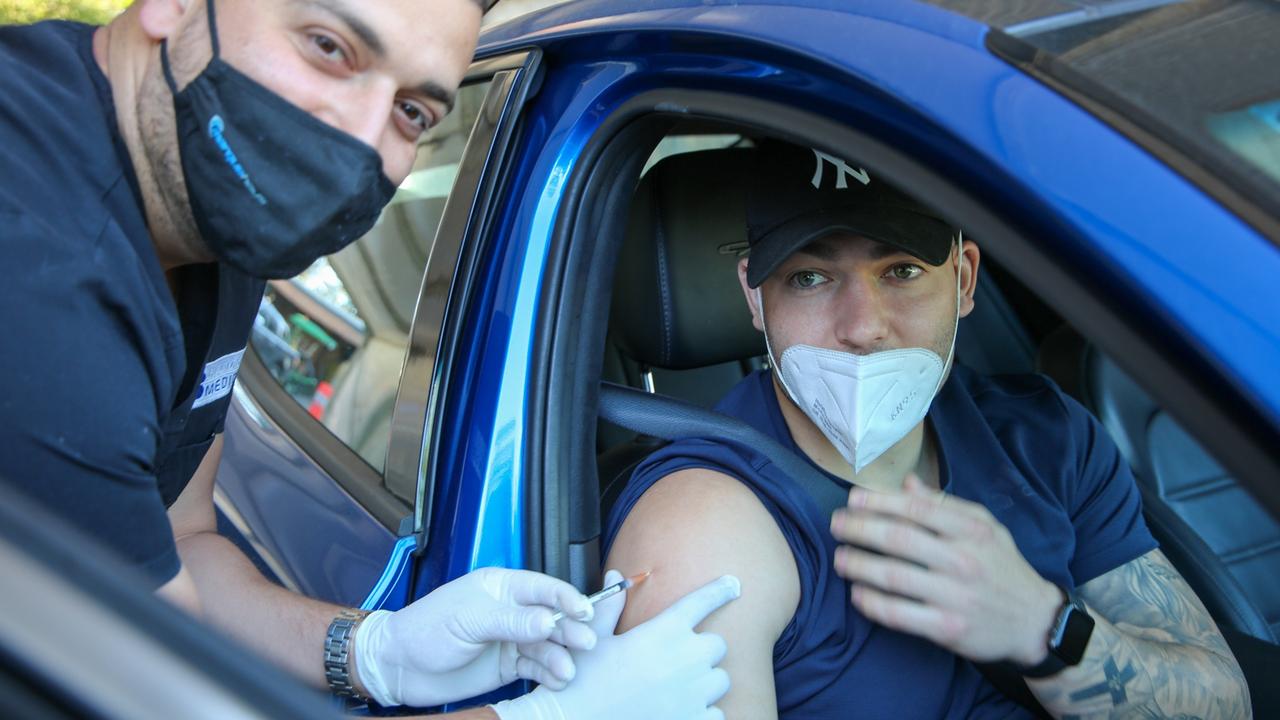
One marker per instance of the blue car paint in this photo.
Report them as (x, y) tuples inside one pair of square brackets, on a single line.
[(479, 519), (1145, 228), (392, 589), (1139, 228), (326, 544)]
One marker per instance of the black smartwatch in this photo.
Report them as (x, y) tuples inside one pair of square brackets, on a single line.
[(1068, 638)]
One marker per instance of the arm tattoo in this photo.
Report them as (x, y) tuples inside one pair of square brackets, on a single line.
[(1151, 600), (1113, 685), (1155, 652)]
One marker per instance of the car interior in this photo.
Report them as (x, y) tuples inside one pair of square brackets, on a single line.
[(679, 328)]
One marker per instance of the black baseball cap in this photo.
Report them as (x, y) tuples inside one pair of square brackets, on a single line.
[(797, 195)]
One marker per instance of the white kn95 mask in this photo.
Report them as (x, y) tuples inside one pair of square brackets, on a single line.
[(863, 404)]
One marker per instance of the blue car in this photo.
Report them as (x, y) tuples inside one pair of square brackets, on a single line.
[(482, 369)]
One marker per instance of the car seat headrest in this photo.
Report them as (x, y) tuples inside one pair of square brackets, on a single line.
[(677, 302)]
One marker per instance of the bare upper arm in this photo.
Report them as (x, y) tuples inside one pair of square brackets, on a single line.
[(692, 527)]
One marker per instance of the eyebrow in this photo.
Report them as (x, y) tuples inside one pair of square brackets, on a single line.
[(437, 91), (357, 26), (370, 38)]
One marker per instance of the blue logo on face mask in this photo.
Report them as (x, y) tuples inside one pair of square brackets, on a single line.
[(216, 126)]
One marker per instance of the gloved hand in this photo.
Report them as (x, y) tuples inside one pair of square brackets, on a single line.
[(475, 634), (659, 669)]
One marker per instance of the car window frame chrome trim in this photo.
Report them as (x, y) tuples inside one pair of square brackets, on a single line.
[(412, 454)]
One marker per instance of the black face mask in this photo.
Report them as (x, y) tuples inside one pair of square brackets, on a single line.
[(271, 187)]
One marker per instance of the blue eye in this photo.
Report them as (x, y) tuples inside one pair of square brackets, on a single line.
[(905, 271), (805, 279)]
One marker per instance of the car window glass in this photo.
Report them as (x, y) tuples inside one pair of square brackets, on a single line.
[(676, 144), (1184, 72), (335, 336)]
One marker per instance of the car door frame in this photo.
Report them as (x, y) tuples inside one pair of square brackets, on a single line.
[(1182, 379), (334, 475)]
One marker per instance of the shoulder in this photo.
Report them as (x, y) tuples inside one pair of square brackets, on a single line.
[(696, 524), (25, 44), (81, 274), (1030, 410), (88, 332), (1020, 395), (43, 62), (748, 397), (56, 147), (691, 527)]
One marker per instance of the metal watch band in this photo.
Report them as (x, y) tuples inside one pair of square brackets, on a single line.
[(337, 652)]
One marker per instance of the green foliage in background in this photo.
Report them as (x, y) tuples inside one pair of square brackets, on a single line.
[(90, 11)]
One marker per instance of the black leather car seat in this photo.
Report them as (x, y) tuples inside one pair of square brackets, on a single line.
[(678, 312), (1224, 543)]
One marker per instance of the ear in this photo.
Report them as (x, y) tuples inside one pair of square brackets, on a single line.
[(750, 294), (969, 261), (161, 19)]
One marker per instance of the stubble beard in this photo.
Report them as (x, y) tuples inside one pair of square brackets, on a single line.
[(172, 223)]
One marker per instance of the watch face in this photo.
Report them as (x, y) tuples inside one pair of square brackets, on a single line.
[(1074, 633)]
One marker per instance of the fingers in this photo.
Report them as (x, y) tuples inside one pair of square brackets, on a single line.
[(529, 670), (531, 588), (907, 615), (697, 605), (893, 575), (713, 648), (714, 685), (574, 635), (943, 514), (551, 663), (506, 624), (892, 536), (609, 610)]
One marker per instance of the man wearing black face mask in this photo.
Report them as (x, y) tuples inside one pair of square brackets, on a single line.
[(152, 174)]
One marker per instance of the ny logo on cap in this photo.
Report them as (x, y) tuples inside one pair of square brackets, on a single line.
[(843, 170)]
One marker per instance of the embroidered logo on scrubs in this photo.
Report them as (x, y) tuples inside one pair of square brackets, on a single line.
[(217, 379)]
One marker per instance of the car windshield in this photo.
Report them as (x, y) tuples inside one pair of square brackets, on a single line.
[(1199, 80)]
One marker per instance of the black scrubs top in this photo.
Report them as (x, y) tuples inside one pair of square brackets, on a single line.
[(111, 390)]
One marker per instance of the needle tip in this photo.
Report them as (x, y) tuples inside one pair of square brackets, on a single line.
[(638, 578)]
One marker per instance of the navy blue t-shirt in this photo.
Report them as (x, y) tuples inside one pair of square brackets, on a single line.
[(1033, 456), (112, 391)]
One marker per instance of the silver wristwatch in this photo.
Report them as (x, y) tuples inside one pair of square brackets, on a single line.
[(337, 653)]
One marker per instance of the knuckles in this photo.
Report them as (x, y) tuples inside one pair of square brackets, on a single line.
[(953, 628), (896, 578), (967, 566)]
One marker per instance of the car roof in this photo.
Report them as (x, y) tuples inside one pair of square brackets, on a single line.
[(897, 52), (1187, 81), (605, 16)]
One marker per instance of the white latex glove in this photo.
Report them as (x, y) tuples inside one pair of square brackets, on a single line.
[(475, 634), (659, 669)]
